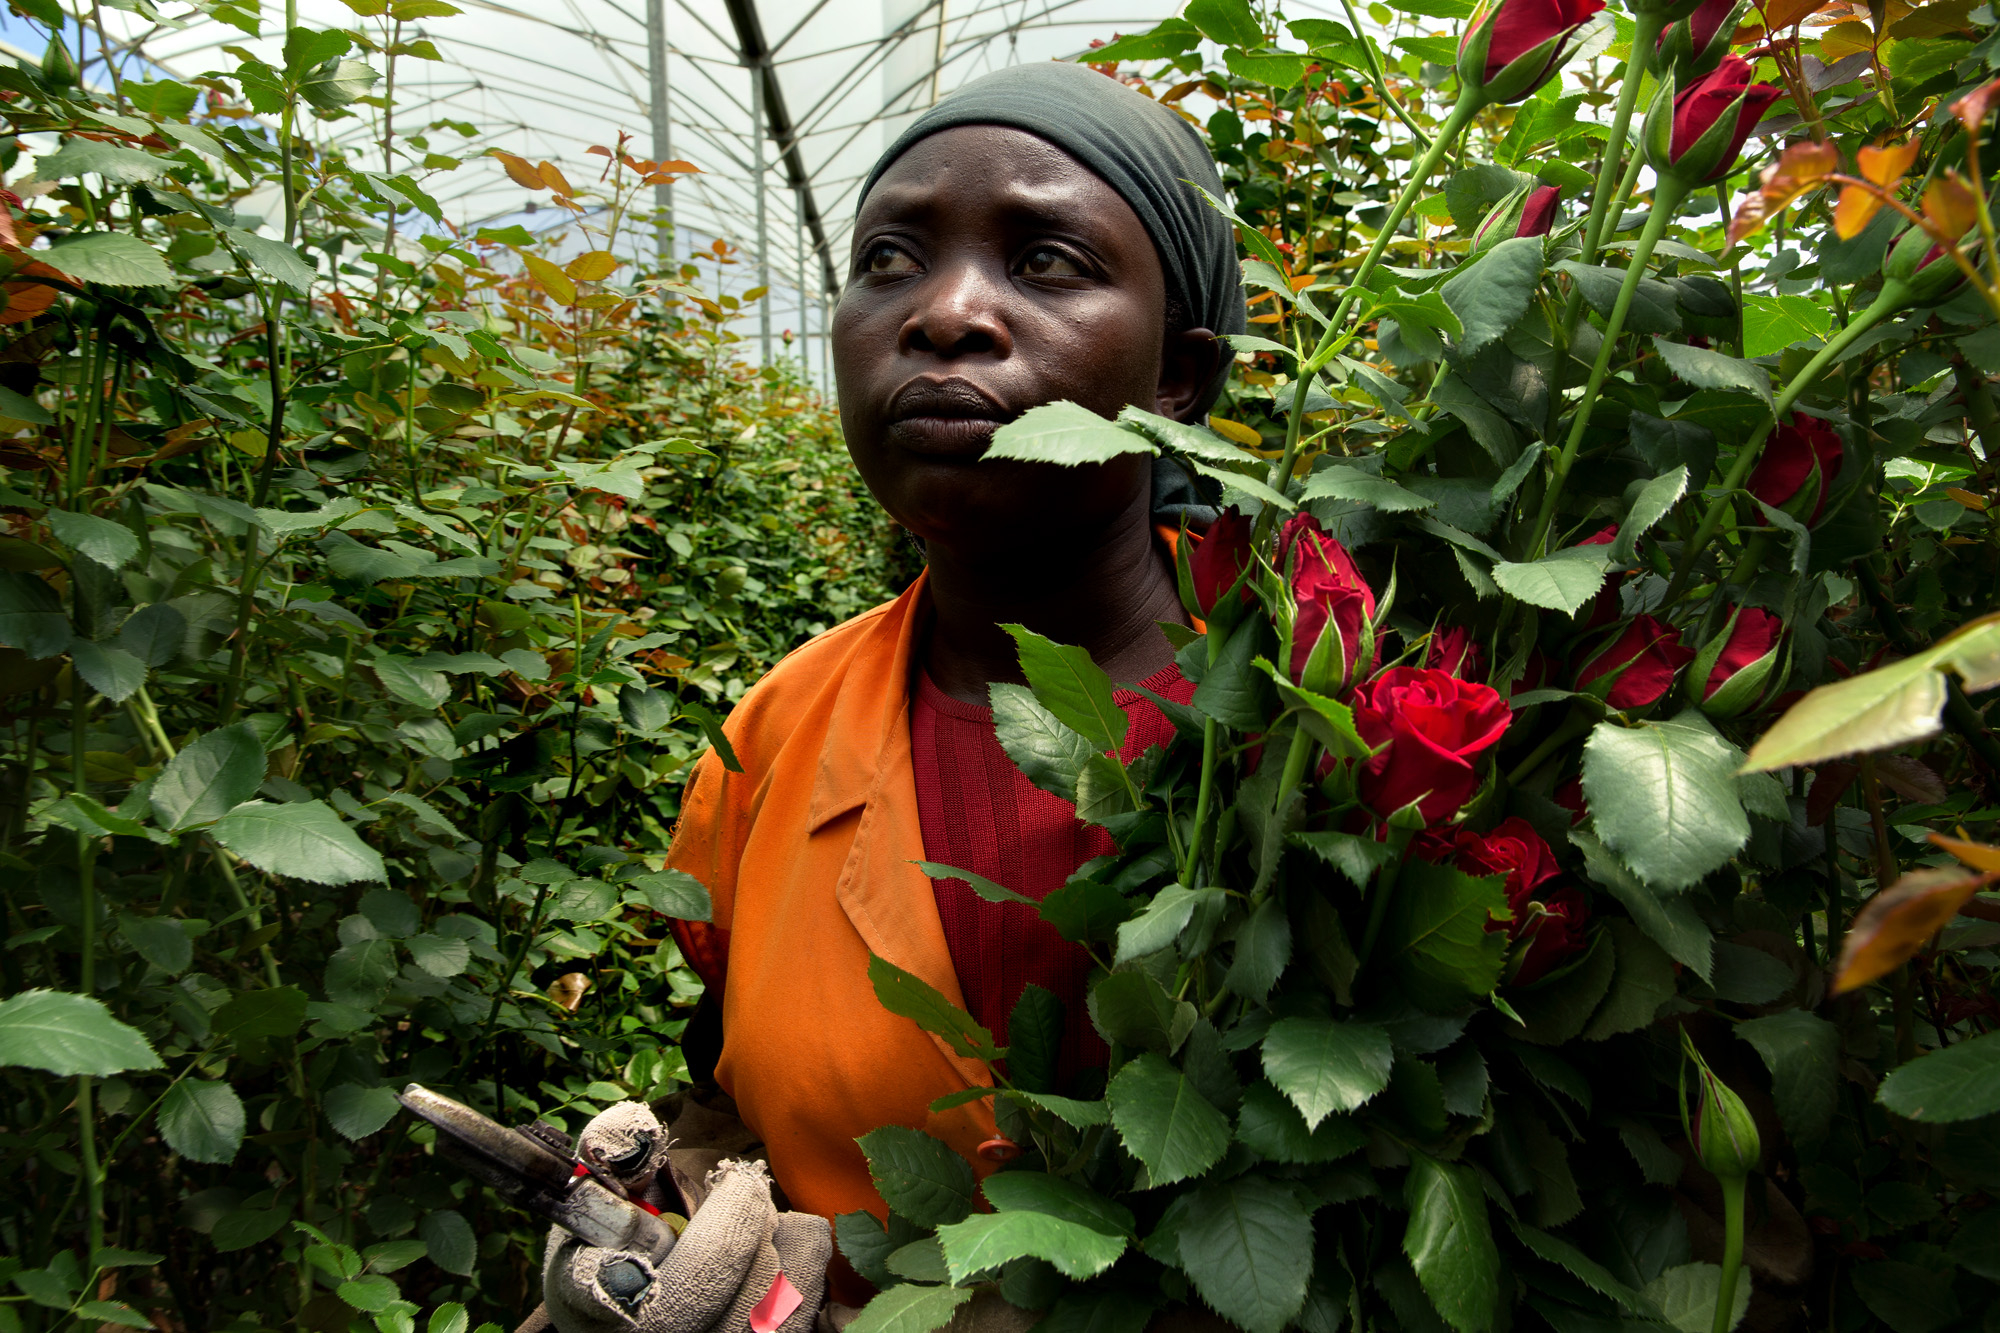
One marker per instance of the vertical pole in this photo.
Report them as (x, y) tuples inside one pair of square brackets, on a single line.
[(799, 241), (763, 211), (937, 60), (663, 134)]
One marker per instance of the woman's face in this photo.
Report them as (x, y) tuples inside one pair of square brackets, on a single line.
[(992, 273)]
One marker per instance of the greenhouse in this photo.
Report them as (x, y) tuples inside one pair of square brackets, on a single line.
[(1006, 666)]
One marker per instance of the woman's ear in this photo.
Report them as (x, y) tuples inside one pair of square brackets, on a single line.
[(1190, 361)]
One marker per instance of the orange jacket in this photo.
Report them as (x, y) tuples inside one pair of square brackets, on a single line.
[(808, 856)]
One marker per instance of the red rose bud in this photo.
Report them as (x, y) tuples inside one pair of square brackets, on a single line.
[(1554, 929), (1330, 594), (1919, 266), (1540, 214), (1696, 136), (1738, 662), (1513, 47), (1696, 44), (1217, 562), (1433, 726), (1529, 211), (1453, 652), (1798, 465), (1636, 667)]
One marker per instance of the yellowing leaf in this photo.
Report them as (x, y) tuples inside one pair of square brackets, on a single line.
[(551, 279), (1975, 854), (520, 171), (595, 266), (755, 294), (553, 178), (1966, 498), (1845, 39), (1801, 167), (1951, 204), (1971, 109), (1885, 166), (1780, 15), (1894, 925), (1852, 214), (1234, 431)]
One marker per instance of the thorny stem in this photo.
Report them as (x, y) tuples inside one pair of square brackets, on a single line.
[(1646, 24), (1210, 746), (1732, 1251)]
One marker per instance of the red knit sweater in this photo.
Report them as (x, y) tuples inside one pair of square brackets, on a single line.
[(979, 813)]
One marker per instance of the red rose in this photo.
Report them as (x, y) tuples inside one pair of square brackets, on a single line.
[(1638, 666), (1453, 652), (1570, 797), (1329, 590), (1540, 213), (1555, 930), (1604, 536), (1723, 97), (1755, 633), (1695, 44), (1219, 559), (1803, 452), (1605, 606), (1433, 725), (1521, 28)]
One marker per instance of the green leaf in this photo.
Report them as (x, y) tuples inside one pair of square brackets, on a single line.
[(154, 634), (988, 1240), (1084, 911), (1272, 1127), (209, 778), (1713, 370), (1687, 1296), (1356, 857), (1325, 1066), (1642, 982), (301, 840), (356, 1112), (113, 259), (1959, 1082), (337, 84), (1802, 1051), (1034, 1039), (1450, 1243), (1976, 1247), (920, 1261), (1233, 689), (371, 1294), (439, 955), (1554, 1249), (1669, 921), (1655, 499), (104, 540), (1065, 434), (919, 1178), (1663, 796), (979, 884), (426, 690), (359, 974), (909, 1308), (1438, 938), (31, 615), (675, 893), (1190, 441), (118, 165), (1228, 22), (159, 940), (1168, 38), (1560, 581), (1164, 1122), (1247, 1245), (1072, 687), (910, 996), (254, 1014), (69, 1034), (1341, 482), (1263, 947), (1058, 1196), (112, 672), (1773, 323), (1653, 302), (1556, 1009), (1161, 922), (273, 259), (1133, 1009), (203, 1121), (1048, 753), (1490, 294)]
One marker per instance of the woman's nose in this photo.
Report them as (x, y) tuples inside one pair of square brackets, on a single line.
[(960, 310)]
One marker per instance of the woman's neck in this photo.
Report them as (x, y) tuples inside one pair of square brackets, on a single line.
[(1105, 593)]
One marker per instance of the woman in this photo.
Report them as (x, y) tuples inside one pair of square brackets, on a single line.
[(1034, 237)]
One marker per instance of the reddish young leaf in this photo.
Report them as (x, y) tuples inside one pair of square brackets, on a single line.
[(553, 178), (1893, 926), (1951, 204), (1857, 208), (1975, 854), (1971, 109), (1801, 167), (1885, 165), (521, 171)]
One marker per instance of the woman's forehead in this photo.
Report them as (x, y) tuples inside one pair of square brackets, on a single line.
[(995, 170)]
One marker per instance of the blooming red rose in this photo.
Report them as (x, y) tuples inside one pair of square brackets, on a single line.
[(1433, 725), (1519, 27), (1637, 666), (1725, 95), (1219, 560), (1803, 451), (1754, 634), (1453, 652), (1540, 213), (1554, 929), (1329, 590)]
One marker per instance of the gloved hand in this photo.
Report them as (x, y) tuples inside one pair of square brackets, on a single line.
[(722, 1275)]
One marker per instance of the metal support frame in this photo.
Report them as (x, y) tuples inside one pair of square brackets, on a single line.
[(663, 130), (760, 182), (756, 55)]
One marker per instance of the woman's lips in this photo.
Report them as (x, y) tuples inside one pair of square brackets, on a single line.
[(949, 418)]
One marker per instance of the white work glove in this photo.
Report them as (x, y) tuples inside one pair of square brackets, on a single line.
[(725, 1265)]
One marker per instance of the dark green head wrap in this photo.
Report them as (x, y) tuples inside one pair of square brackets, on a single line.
[(1136, 146)]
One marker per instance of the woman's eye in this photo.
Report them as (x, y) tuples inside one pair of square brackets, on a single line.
[(886, 258), (1047, 263)]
